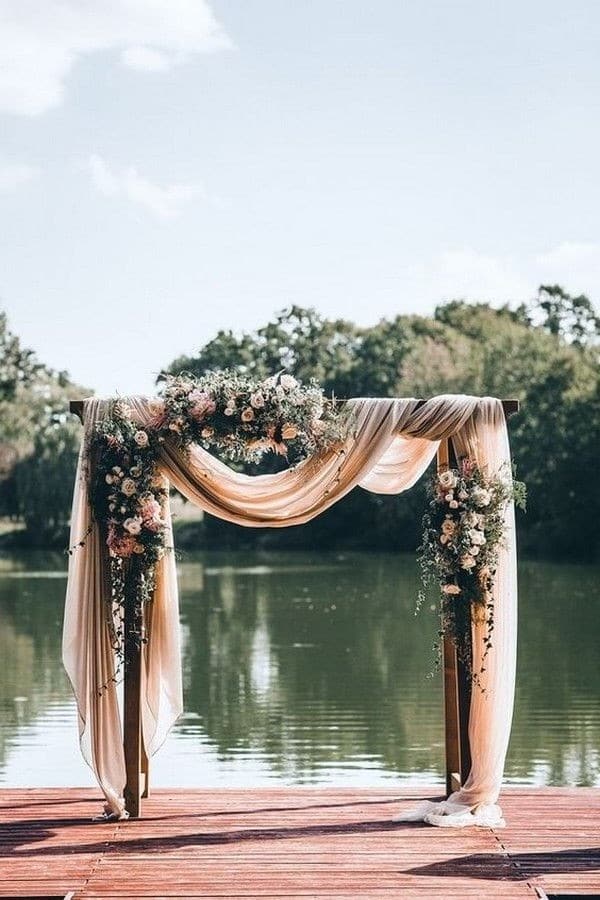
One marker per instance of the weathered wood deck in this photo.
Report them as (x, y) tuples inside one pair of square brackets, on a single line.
[(286, 843)]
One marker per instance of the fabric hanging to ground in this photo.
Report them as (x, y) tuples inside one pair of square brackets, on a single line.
[(391, 444)]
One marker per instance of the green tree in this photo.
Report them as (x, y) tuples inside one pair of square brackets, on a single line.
[(44, 484), (572, 318), (37, 440), (544, 353)]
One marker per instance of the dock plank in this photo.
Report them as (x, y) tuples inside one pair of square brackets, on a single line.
[(335, 844)]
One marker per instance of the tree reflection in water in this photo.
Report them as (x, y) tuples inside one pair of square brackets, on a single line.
[(314, 668)]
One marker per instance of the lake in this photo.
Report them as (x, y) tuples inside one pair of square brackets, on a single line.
[(307, 669)]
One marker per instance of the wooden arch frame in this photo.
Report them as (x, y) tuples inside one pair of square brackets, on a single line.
[(456, 677)]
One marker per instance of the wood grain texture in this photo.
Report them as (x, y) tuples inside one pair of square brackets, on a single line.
[(294, 843)]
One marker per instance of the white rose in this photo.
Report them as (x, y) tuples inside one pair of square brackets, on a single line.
[(109, 479), (447, 479), (453, 504), (128, 487), (257, 400), (133, 525), (229, 410), (449, 497), (156, 408), (473, 551), (477, 537), (481, 497), (288, 382), (141, 438), (123, 409)]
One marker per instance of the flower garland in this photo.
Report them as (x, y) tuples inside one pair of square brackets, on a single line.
[(230, 412), (463, 531), (128, 496), (242, 419)]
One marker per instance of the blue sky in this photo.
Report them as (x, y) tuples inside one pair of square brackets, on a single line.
[(170, 167)]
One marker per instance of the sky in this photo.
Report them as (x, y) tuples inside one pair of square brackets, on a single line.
[(169, 168)]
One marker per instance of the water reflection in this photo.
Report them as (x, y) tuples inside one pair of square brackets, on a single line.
[(307, 669)]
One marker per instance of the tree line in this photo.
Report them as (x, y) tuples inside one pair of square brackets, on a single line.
[(545, 353)]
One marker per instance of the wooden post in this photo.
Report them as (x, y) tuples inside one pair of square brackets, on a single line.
[(137, 766), (132, 727), (145, 772), (457, 696)]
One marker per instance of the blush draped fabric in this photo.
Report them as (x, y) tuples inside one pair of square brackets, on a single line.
[(390, 445)]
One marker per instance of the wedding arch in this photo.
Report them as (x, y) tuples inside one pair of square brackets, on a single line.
[(391, 444)]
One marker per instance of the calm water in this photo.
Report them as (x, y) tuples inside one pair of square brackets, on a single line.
[(307, 669)]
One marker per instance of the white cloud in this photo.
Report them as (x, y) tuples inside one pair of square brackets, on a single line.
[(164, 202), (466, 273), (145, 59), (573, 264), (570, 253), (479, 276), (40, 42), (13, 175)]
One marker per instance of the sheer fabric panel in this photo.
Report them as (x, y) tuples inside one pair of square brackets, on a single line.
[(391, 444)]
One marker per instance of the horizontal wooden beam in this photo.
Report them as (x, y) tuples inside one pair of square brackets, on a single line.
[(510, 407), (76, 407)]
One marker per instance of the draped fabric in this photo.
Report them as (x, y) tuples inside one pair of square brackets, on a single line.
[(390, 445)]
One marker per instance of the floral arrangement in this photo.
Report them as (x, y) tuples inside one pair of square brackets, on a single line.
[(463, 531), (230, 412), (128, 496), (243, 418)]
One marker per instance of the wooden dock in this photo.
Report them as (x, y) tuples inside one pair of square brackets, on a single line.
[(295, 843)]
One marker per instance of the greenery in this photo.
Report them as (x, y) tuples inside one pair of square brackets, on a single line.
[(545, 353), (463, 532), (243, 418)]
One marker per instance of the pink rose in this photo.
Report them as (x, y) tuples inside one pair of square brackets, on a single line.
[(120, 545), (154, 525), (150, 509), (289, 431), (202, 405), (451, 589)]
